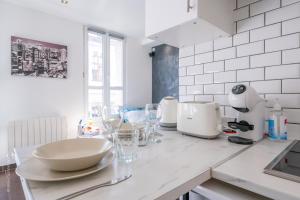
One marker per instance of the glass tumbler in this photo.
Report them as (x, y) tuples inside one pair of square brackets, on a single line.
[(153, 114), (126, 144)]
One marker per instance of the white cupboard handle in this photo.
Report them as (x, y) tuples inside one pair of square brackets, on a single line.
[(189, 7)]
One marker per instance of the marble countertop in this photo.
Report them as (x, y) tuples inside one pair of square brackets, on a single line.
[(163, 171), (246, 171)]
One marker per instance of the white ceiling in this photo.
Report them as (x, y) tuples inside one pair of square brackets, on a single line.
[(123, 16)]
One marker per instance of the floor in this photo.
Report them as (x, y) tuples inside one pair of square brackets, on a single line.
[(12, 189)]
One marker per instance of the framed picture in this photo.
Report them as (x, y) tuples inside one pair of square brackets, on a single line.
[(39, 59)]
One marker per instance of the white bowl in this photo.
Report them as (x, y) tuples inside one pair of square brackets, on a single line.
[(73, 154)]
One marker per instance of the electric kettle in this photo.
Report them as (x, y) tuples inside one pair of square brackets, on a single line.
[(168, 112)]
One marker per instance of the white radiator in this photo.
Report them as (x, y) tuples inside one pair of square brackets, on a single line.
[(23, 133)]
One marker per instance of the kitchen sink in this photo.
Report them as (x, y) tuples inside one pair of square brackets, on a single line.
[(287, 164)]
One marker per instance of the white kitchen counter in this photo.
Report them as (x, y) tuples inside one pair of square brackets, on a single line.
[(163, 171), (246, 171)]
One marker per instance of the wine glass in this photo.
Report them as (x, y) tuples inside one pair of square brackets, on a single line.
[(152, 116), (111, 119), (158, 118)]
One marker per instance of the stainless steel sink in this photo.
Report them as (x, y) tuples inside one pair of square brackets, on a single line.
[(287, 164)]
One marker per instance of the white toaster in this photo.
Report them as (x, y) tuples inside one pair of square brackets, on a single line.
[(201, 119)]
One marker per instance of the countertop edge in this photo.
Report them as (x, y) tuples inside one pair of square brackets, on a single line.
[(184, 188), (26, 190), (250, 186)]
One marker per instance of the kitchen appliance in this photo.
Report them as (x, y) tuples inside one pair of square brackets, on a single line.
[(168, 112), (250, 120), (200, 119), (286, 165)]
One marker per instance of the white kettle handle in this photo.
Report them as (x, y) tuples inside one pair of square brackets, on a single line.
[(219, 119)]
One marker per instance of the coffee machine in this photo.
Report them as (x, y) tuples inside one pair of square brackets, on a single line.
[(250, 121)]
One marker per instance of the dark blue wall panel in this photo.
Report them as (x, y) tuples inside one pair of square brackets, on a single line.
[(165, 72)]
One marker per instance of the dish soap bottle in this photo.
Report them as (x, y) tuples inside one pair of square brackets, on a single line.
[(277, 123)]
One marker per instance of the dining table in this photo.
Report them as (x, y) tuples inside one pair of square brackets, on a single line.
[(163, 171)]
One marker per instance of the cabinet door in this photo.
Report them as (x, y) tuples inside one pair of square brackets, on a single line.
[(164, 14)]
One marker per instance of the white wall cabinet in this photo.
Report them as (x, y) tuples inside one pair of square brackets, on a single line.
[(185, 22)]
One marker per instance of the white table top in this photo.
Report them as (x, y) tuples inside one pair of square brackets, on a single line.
[(163, 171), (246, 171)]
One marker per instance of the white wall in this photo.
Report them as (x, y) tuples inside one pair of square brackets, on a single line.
[(265, 53), (28, 97), (139, 73)]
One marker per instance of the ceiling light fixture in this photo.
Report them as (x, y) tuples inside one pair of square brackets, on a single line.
[(64, 1)]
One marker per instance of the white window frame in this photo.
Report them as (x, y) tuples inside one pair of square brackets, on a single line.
[(106, 68)]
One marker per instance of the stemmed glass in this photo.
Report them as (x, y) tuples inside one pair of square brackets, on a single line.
[(158, 118), (111, 119), (152, 113)]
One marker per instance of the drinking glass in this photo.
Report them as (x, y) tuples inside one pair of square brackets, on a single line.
[(111, 119), (126, 144), (137, 120), (152, 112)]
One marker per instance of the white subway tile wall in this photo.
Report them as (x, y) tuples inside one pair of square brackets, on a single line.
[(241, 3), (263, 87), (250, 74), (224, 54), (225, 77), (237, 63), (284, 42), (204, 47), (214, 67), (186, 80), (186, 51), (221, 99), (282, 14), (182, 90), (241, 38), (223, 43), (250, 23), (250, 49), (193, 70), (242, 13), (263, 6), (204, 79), (182, 71), (265, 53), (187, 61), (283, 71), (291, 56), (266, 59), (195, 89), (204, 58), (291, 86), (265, 32), (288, 2), (293, 115), (291, 26), (214, 89)]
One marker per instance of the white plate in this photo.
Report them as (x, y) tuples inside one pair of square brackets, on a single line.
[(33, 169)]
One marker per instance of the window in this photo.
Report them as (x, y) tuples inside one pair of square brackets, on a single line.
[(105, 71)]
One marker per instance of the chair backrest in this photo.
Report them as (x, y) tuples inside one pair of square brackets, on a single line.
[(23, 133)]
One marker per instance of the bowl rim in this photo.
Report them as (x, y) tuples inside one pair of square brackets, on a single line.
[(107, 149)]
